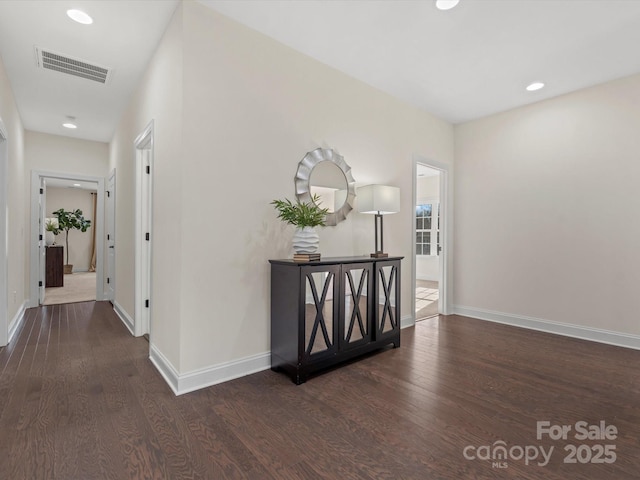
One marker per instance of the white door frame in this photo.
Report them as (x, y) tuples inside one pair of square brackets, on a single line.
[(144, 145), (4, 232), (446, 224), (34, 271), (42, 257), (110, 213)]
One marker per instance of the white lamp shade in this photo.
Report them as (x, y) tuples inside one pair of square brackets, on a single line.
[(380, 199)]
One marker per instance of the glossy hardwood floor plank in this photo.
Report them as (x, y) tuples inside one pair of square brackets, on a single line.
[(79, 399)]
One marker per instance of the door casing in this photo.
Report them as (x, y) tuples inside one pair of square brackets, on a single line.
[(446, 204), (110, 213), (34, 268), (144, 145)]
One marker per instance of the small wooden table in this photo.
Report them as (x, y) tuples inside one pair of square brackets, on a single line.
[(54, 276)]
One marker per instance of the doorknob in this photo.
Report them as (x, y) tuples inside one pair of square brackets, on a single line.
[(111, 246)]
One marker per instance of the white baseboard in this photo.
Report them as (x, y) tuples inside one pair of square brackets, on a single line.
[(16, 321), (166, 369), (191, 381), (427, 277), (407, 321), (124, 316), (568, 330)]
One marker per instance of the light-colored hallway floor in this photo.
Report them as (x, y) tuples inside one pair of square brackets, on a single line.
[(427, 296), (78, 287)]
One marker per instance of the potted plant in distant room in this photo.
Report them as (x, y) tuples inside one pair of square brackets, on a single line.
[(71, 220), (305, 217), (51, 230)]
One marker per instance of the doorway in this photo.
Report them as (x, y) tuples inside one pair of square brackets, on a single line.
[(76, 249), (430, 266), (144, 145), (427, 219), (111, 237), (37, 275)]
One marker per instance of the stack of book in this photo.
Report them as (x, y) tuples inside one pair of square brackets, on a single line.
[(306, 257)]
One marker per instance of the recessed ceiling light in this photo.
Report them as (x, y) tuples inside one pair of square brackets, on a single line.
[(446, 4), (77, 185), (69, 125), (535, 86), (79, 16)]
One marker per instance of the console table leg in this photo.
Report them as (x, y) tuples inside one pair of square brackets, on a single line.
[(299, 378)]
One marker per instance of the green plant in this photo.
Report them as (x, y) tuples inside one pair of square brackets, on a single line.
[(71, 220), (51, 226), (301, 214)]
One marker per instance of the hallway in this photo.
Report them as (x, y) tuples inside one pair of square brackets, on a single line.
[(79, 399)]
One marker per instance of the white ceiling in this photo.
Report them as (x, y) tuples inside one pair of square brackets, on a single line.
[(464, 63), (77, 184), (123, 37), (460, 64), (424, 171)]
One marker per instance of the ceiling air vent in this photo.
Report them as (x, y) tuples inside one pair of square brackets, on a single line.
[(71, 66)]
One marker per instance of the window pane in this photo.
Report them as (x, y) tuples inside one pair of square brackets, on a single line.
[(427, 210), (427, 223), (419, 249)]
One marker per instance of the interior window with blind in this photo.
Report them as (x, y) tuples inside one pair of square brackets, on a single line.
[(427, 228)]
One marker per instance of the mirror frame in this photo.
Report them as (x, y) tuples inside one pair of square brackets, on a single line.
[(303, 186)]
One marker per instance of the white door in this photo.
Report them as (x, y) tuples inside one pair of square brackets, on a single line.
[(42, 208), (111, 237), (145, 236), (144, 168)]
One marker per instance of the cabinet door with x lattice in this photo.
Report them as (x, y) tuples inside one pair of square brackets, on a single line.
[(330, 310)]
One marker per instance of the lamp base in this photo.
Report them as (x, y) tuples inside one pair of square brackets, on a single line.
[(379, 255)]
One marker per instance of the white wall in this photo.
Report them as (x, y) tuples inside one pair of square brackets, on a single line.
[(547, 210), (157, 98), (54, 153), (427, 189), (79, 242), (253, 108), (16, 216), (231, 127)]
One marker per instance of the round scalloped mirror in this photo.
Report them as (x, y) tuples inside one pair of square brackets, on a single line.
[(324, 173)]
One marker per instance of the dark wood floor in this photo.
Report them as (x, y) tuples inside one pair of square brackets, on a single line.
[(80, 400)]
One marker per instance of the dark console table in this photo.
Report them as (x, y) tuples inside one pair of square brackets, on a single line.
[(328, 311), (54, 276)]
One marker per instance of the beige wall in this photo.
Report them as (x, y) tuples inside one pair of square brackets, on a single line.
[(17, 226), (547, 210), (53, 153), (79, 242), (157, 98), (252, 109), (231, 127)]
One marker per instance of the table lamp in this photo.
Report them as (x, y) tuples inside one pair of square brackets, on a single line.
[(378, 200)]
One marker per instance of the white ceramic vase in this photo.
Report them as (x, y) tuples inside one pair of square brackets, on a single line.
[(306, 240), (49, 237)]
